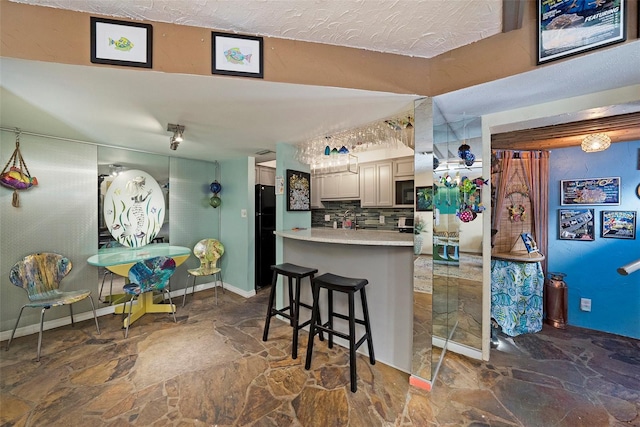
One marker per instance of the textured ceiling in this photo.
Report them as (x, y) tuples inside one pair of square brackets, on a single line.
[(421, 28)]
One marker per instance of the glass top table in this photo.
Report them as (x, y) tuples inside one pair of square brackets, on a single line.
[(121, 259)]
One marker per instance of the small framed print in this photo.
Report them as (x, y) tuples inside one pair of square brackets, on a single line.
[(121, 43), (576, 224), (236, 55), (618, 224), (529, 244), (590, 191), (298, 190)]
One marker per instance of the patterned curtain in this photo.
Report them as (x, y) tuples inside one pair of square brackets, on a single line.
[(501, 161), (536, 166)]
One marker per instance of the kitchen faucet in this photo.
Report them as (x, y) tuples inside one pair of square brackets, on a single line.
[(344, 219)]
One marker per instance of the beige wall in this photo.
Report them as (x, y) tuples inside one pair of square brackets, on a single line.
[(54, 35)]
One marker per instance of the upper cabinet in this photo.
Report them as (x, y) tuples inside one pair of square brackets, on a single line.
[(343, 186), (265, 175), (403, 167), (376, 184), (316, 196), (403, 186)]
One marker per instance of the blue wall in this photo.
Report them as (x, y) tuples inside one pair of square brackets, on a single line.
[(591, 266)]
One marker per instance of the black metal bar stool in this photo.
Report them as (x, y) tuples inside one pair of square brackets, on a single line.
[(291, 271), (332, 282)]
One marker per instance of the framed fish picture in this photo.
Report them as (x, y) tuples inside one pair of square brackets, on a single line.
[(121, 43), (236, 55)]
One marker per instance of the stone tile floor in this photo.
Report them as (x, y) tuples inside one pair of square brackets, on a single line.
[(212, 369)]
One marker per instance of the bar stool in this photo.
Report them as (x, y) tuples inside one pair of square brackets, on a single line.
[(291, 271), (332, 282)]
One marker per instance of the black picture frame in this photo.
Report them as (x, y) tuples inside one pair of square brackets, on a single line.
[(424, 199), (618, 225), (123, 43), (298, 191), (565, 31), (590, 191), (576, 224), (237, 55)]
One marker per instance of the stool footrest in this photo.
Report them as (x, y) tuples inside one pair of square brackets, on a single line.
[(343, 317)]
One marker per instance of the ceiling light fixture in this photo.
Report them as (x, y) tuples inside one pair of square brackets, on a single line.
[(177, 137), (595, 142)]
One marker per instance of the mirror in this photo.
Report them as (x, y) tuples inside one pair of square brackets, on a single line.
[(423, 223), (458, 235), (112, 161)]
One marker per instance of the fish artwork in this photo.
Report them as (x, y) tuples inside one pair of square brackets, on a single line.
[(235, 56), (123, 44)]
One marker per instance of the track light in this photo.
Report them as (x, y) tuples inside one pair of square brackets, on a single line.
[(177, 137)]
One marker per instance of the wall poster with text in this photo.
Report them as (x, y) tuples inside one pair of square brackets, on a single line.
[(570, 27)]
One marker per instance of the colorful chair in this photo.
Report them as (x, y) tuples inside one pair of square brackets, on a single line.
[(209, 251), (40, 276), (147, 276)]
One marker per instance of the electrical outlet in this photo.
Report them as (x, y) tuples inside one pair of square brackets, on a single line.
[(327, 217), (585, 304), (243, 213), (381, 219)]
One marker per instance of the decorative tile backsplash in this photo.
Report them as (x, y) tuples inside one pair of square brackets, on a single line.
[(368, 218)]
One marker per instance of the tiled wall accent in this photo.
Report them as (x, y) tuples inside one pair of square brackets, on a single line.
[(368, 218)]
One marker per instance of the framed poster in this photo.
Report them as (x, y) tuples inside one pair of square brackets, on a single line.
[(424, 199), (298, 191), (236, 55), (576, 224), (570, 27), (618, 224), (590, 191), (121, 43)]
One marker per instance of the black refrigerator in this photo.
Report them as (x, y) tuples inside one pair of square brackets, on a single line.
[(265, 239)]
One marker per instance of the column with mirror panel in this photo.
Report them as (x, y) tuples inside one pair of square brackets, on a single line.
[(448, 262)]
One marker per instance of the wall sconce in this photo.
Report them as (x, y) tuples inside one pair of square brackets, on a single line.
[(595, 142), (177, 137)]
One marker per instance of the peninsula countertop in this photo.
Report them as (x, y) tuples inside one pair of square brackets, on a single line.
[(349, 237)]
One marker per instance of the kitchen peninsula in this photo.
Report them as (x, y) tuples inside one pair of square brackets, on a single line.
[(385, 259)]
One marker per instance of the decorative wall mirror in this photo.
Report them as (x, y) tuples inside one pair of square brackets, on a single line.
[(114, 161)]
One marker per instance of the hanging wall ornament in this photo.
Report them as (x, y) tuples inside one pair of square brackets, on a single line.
[(17, 177), (436, 163), (215, 188)]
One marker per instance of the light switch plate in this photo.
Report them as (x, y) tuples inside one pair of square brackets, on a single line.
[(243, 213)]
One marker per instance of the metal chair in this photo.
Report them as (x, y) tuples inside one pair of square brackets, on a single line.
[(209, 251), (107, 272), (40, 276), (147, 276)]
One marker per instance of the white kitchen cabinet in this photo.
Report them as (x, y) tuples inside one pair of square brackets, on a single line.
[(265, 175), (376, 184), (343, 186), (316, 189), (403, 167)]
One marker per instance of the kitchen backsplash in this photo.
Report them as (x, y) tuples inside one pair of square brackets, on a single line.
[(368, 218)]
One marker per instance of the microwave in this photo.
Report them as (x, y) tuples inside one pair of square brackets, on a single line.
[(404, 192)]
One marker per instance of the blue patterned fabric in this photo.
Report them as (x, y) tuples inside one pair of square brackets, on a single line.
[(516, 296)]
